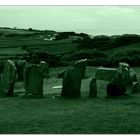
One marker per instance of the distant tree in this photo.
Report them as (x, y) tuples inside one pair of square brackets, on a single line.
[(83, 35), (126, 39), (104, 42), (30, 29), (61, 35), (85, 43)]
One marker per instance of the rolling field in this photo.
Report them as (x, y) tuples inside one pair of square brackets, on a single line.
[(123, 48), (17, 31), (10, 47), (13, 42), (54, 115)]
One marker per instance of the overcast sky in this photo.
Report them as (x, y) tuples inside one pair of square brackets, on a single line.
[(94, 20)]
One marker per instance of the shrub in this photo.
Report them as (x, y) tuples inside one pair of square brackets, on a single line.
[(103, 42), (83, 54), (12, 35), (99, 58), (52, 59), (30, 29), (116, 87), (126, 39), (130, 56)]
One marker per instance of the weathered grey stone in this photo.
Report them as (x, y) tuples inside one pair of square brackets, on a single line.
[(124, 69), (81, 64), (135, 87), (33, 78), (122, 66), (44, 68), (93, 88), (8, 78), (133, 76), (106, 74), (20, 68), (71, 85)]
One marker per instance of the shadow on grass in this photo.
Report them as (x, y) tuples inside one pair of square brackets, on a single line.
[(9, 96), (125, 96), (32, 97)]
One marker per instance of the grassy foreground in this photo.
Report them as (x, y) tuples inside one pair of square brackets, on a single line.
[(53, 115)]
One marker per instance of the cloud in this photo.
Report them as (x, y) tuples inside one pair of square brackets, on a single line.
[(97, 19)]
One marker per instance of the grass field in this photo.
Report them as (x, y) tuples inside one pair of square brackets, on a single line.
[(123, 48), (54, 115), (17, 31), (13, 46)]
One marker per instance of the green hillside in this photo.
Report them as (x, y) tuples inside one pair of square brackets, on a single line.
[(99, 50), (14, 46), (17, 31), (16, 42), (123, 48)]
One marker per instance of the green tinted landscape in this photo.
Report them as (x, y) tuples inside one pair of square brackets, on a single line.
[(54, 115)]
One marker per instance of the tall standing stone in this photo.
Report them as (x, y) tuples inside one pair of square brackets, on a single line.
[(81, 64), (44, 68), (124, 70), (71, 85), (8, 78), (33, 79), (133, 76), (20, 68), (93, 88)]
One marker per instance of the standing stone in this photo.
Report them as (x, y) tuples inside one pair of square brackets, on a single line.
[(33, 79), (124, 69), (93, 88), (135, 87), (8, 78), (81, 64), (20, 68), (34, 72), (133, 76), (44, 68), (71, 85)]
